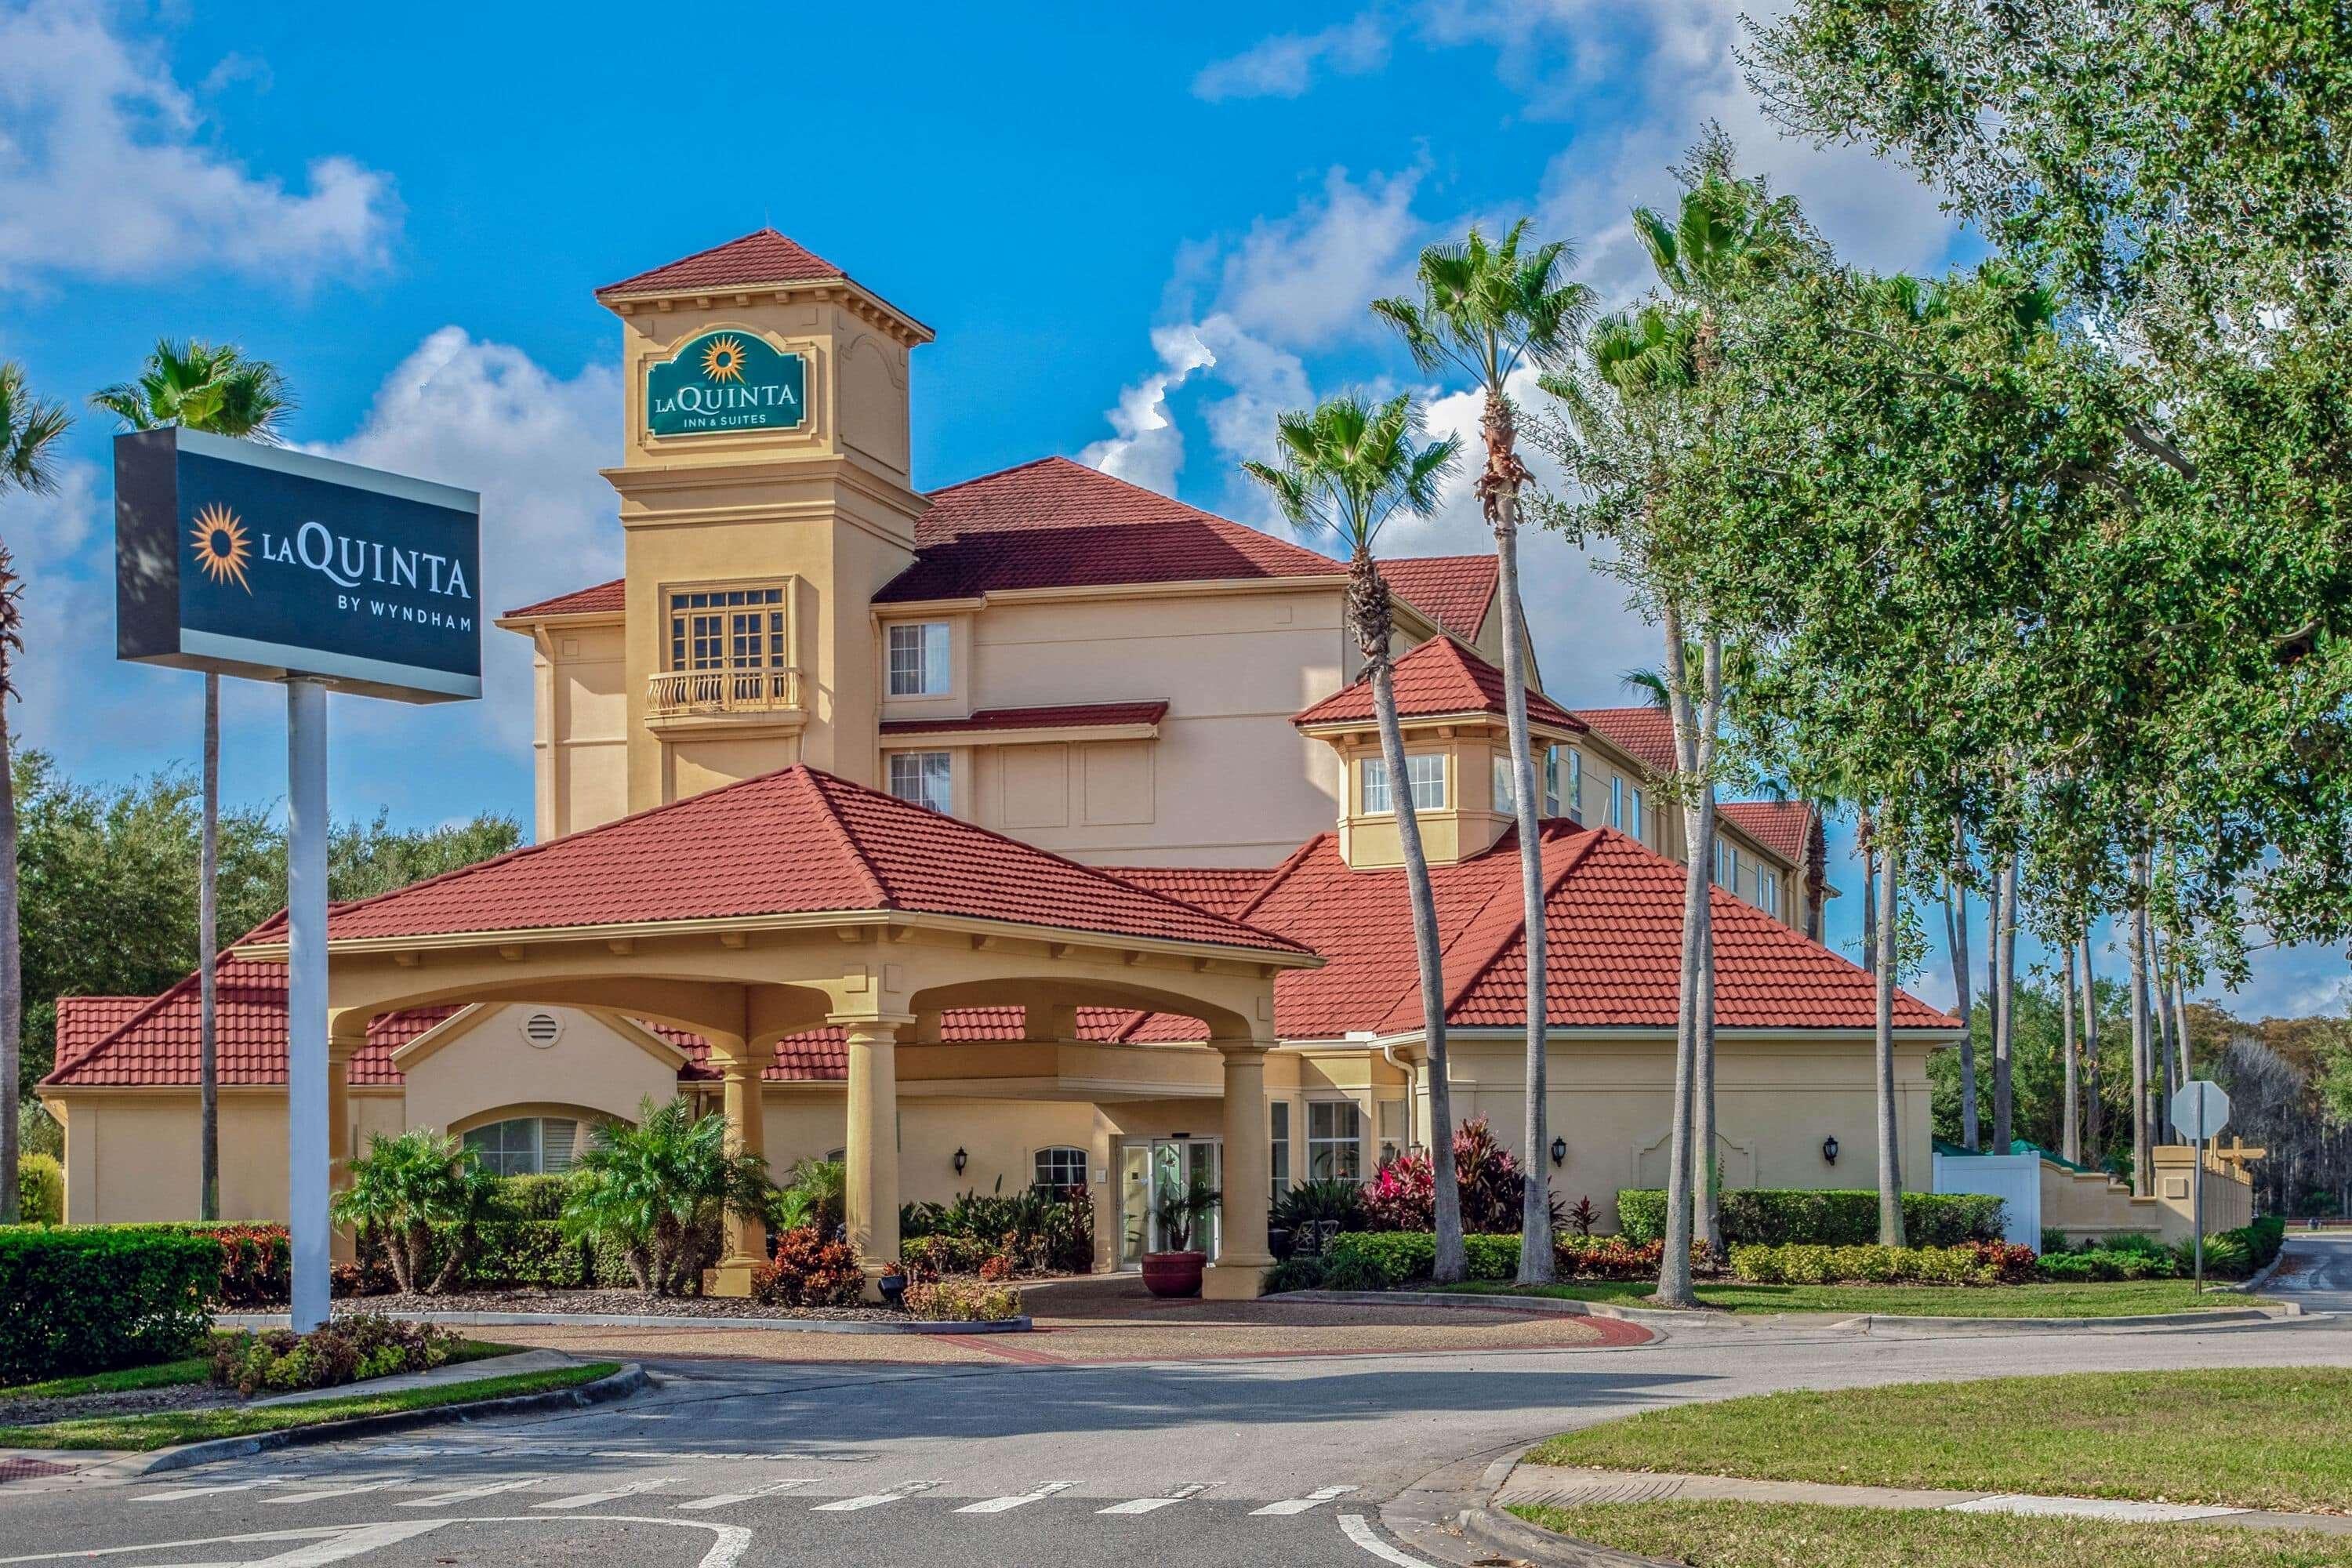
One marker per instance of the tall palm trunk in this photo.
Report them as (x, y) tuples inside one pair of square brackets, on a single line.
[(1955, 931), (2004, 1007), (2070, 1114), (1890, 1154), (2159, 973), (1684, 1160), (1708, 1219), (2094, 1110), (2180, 1025), (1499, 487), (2143, 1171), (1869, 893), (1369, 602), (12, 957), (207, 956)]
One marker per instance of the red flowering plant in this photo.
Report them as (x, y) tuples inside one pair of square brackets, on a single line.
[(1403, 1195)]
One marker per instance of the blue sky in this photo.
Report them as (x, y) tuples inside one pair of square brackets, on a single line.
[(1139, 232)]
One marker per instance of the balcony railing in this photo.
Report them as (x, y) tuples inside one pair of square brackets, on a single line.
[(681, 693)]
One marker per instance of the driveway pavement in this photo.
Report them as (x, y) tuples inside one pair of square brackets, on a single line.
[(2315, 1270), (1253, 1460)]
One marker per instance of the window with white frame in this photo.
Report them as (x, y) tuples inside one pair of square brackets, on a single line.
[(924, 778), (1576, 783), (1616, 802), (1334, 1141), (1503, 804), (1726, 864), (1426, 770), (1551, 781), (1278, 1162), (1061, 1167), (1768, 891), (1641, 822), (525, 1145), (918, 659)]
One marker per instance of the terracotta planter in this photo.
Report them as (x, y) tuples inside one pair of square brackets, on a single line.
[(1174, 1273)]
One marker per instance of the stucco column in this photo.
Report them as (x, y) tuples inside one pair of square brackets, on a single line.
[(747, 1134), (1241, 1254), (870, 1151), (346, 1034)]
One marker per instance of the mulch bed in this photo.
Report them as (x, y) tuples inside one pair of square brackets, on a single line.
[(615, 1303), (130, 1402)]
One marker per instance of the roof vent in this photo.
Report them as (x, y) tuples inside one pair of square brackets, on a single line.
[(542, 1029)]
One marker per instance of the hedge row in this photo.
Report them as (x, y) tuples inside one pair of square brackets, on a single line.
[(92, 1298), (1780, 1216), (1979, 1263)]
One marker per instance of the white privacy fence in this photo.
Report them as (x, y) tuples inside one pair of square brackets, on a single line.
[(2014, 1179)]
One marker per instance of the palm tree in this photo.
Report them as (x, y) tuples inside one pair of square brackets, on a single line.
[(214, 388), (1347, 466), (651, 1189), (28, 429), (404, 1189), (1487, 311)]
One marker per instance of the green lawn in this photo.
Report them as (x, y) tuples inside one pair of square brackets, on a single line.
[(2122, 1298), (2252, 1437), (1809, 1535), (163, 1429), (123, 1380)]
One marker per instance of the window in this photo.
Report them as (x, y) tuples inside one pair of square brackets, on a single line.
[(1549, 764), (1389, 1125), (1334, 1141), (1616, 802), (1576, 783), (1425, 769), (525, 1145), (1372, 786), (1503, 804), (1726, 864), (924, 778), (918, 659), (1768, 891), (1639, 821), (1279, 1165), (727, 628), (1551, 781), (1061, 1167)]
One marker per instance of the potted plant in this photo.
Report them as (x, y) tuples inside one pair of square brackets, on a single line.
[(1176, 1271)]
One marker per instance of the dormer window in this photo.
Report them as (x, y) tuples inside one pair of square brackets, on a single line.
[(1426, 771), (919, 663)]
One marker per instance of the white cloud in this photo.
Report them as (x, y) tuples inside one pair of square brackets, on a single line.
[(1284, 66), (486, 416), (106, 171), (1148, 449), (1305, 278)]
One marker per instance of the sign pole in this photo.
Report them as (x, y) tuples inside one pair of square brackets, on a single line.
[(307, 1171), (2197, 1194)]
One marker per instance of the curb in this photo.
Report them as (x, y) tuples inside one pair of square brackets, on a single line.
[(1653, 1316), (2261, 1276), (1019, 1325), (1489, 1526), (603, 1390), (1872, 1322)]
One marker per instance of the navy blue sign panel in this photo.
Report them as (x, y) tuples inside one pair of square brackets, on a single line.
[(255, 560)]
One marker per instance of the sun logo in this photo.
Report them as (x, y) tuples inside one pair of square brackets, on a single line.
[(221, 546), (723, 360)]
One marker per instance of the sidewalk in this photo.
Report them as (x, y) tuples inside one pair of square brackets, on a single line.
[(1562, 1487)]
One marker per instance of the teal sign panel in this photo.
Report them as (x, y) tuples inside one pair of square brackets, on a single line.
[(726, 381)]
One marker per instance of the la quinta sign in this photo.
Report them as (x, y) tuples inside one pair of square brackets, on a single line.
[(726, 381)]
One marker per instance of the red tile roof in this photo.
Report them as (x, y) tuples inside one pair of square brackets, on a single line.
[(1781, 826), (1071, 716), (1222, 890), (798, 841), (605, 597), (1455, 591), (763, 256), (1440, 677), (1648, 734), (84, 1021), (1054, 523)]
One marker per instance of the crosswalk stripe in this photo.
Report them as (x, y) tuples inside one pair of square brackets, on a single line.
[(321, 1493), (1301, 1504), (873, 1500), (173, 1494), (1011, 1501), (724, 1498), (1148, 1504), (588, 1499), (467, 1494)]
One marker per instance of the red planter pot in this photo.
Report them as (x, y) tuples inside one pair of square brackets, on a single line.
[(1174, 1273)]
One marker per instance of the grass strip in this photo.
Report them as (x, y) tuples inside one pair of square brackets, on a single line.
[(2117, 1298), (165, 1428), (1816, 1535), (2266, 1437), (122, 1380)]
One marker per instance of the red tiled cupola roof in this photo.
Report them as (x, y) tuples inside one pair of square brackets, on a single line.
[(762, 256), (1438, 679), (798, 841), (1455, 591), (1647, 734), (1069, 716), (1781, 826)]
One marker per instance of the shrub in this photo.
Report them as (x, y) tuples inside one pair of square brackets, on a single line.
[(932, 1258), (1579, 1257), (1775, 1216), (814, 1192), (342, 1349), (2053, 1240), (89, 1298), (651, 1189), (1295, 1274), (807, 1270), (1042, 1229), (1803, 1263), (40, 1190), (1403, 1195), (256, 1263), (534, 1253), (1339, 1202), (405, 1186), (1387, 1258), (526, 1197), (963, 1301)]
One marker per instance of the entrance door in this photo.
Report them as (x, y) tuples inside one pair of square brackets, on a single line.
[(1149, 1167)]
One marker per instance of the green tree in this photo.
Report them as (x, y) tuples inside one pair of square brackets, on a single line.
[(1347, 466), (403, 1189), (213, 388), (1486, 310), (29, 428), (651, 1188)]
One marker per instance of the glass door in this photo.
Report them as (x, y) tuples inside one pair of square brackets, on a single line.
[(1149, 1167)]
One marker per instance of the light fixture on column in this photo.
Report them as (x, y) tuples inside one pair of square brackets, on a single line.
[(959, 1159), (1559, 1151), (1830, 1148)]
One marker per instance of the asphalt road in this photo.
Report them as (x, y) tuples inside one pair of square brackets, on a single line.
[(1214, 1463)]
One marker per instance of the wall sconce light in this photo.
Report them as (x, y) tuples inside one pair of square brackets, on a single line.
[(961, 1158), (1828, 1149), (1559, 1151)]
